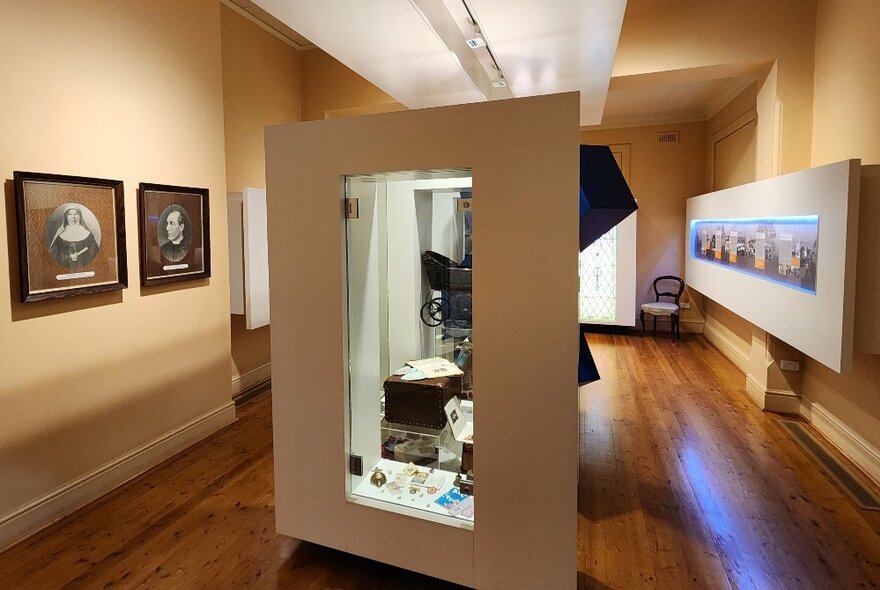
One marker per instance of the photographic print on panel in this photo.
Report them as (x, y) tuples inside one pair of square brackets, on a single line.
[(174, 233), (783, 250), (71, 235)]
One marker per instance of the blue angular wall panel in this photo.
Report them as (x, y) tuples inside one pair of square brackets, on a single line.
[(605, 198), (605, 201)]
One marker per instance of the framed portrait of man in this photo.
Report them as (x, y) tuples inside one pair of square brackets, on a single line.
[(174, 233), (71, 235)]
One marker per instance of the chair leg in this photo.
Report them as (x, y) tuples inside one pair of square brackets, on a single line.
[(654, 324), (643, 323), (677, 328)]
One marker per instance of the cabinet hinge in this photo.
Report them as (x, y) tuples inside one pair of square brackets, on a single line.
[(351, 208)]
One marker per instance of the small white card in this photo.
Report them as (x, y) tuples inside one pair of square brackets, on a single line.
[(462, 430), (436, 367)]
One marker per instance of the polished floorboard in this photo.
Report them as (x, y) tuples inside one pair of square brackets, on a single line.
[(684, 483)]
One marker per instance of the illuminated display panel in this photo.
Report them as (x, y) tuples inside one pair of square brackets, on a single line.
[(783, 250)]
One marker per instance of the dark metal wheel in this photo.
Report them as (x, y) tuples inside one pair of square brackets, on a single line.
[(434, 312)]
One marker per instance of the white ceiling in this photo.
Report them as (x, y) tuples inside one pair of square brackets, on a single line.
[(415, 51), (412, 50)]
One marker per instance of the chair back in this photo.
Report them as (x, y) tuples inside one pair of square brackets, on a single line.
[(668, 281)]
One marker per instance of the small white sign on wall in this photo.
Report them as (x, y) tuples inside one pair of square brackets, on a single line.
[(249, 256)]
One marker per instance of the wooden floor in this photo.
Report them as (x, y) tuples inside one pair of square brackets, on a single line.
[(684, 483)]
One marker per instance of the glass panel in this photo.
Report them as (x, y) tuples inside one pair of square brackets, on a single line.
[(410, 340), (783, 250), (597, 269)]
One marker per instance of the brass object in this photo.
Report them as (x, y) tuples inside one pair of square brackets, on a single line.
[(378, 479)]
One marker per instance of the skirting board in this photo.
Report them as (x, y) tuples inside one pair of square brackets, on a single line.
[(854, 447), (773, 400), (25, 521), (865, 456), (782, 402), (250, 378), (756, 391), (726, 346), (692, 326)]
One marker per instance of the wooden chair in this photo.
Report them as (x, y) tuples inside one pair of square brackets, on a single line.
[(665, 308)]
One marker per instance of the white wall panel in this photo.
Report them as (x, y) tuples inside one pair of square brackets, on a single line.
[(821, 324)]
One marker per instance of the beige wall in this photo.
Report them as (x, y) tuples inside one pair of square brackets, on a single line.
[(846, 124), (731, 132), (740, 105), (130, 91), (737, 330), (261, 86), (662, 177), (660, 35), (330, 86)]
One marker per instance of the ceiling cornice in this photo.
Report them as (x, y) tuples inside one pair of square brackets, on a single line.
[(269, 23)]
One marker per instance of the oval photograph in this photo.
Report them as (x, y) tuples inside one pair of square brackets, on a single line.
[(73, 235), (174, 233)]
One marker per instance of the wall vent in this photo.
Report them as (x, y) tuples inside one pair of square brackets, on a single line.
[(850, 483), (667, 137)]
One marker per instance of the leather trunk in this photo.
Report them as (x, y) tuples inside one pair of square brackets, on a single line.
[(419, 403)]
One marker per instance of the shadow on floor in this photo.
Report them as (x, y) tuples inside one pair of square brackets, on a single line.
[(311, 565), (585, 582)]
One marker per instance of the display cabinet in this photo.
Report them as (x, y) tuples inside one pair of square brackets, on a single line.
[(408, 276), (423, 272)]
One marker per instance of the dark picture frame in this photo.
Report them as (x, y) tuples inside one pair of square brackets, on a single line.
[(71, 235), (174, 233)]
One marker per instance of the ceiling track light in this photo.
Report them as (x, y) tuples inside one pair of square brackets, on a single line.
[(454, 24), (476, 40)]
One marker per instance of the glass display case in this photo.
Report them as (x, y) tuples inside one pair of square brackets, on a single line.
[(408, 268), (371, 273)]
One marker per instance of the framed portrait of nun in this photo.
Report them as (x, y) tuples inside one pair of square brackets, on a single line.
[(71, 235), (174, 233)]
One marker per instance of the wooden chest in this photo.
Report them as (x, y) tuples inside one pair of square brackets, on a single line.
[(419, 403)]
